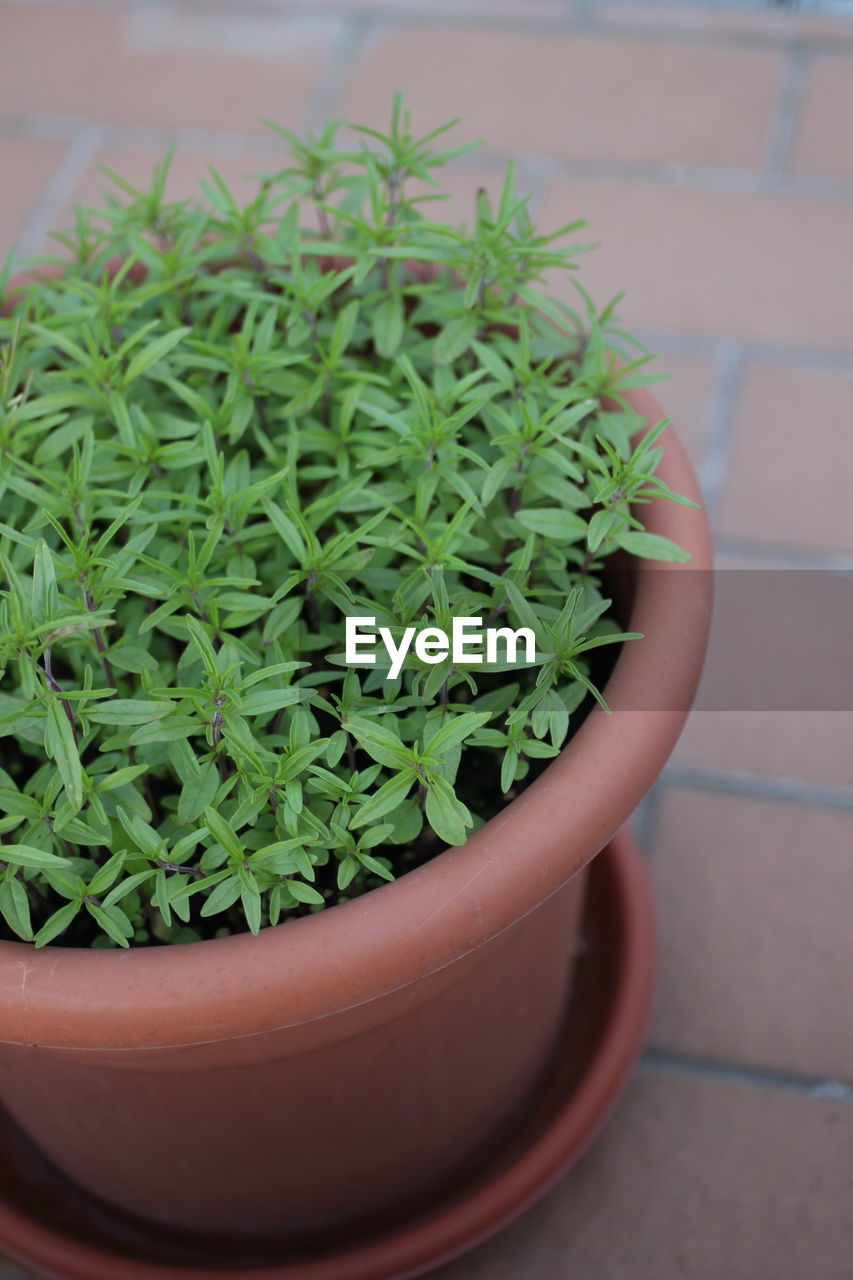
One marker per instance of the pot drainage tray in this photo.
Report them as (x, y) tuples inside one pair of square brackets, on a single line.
[(63, 1233)]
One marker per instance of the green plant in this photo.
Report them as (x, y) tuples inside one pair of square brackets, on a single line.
[(221, 433)]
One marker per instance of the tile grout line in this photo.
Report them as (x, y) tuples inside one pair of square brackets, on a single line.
[(782, 125), (719, 423), (582, 15), (712, 345), (571, 14), (339, 66), (716, 179), (757, 786), (815, 1087), (538, 172), (645, 820), (719, 179), (59, 189), (786, 557)]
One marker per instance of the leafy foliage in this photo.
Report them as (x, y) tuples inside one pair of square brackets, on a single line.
[(225, 427)]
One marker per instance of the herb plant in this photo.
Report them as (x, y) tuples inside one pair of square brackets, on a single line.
[(225, 428)]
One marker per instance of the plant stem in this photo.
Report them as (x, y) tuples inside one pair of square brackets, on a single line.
[(98, 636), (322, 217), (56, 687)]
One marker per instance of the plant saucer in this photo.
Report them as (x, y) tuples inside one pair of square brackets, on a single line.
[(48, 1225)]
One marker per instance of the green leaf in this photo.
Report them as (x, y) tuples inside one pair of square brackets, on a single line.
[(57, 923), (380, 744), (343, 330), (455, 339), (223, 896), (127, 886), (19, 804), (250, 896), (152, 352), (508, 768), (286, 530), (171, 730), (385, 800), (121, 777), (279, 858), (223, 832), (348, 868), (203, 644), (62, 748), (113, 921), (601, 526), (373, 864), (197, 793), (258, 704), (447, 815), (551, 522), (303, 892), (127, 657), (44, 594), (652, 546), (454, 731), (123, 711), (15, 908), (388, 327), (106, 875)]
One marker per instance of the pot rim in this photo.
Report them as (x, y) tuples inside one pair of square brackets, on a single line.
[(360, 951)]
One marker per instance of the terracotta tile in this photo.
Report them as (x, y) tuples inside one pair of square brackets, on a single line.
[(809, 746), (755, 950), (823, 140), (104, 63), (575, 95), (694, 1179), (26, 165), (791, 458), (770, 267)]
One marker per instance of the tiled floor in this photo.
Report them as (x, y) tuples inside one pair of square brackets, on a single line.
[(712, 151)]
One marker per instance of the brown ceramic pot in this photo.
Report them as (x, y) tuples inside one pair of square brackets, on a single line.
[(336, 1070)]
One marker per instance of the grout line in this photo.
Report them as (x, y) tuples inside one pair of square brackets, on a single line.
[(713, 346), (786, 557), (719, 415), (65, 128), (780, 130), (59, 190), (536, 173), (718, 179), (646, 817), (759, 787), (584, 15), (337, 70), (809, 1086)]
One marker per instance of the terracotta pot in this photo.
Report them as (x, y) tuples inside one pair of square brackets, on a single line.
[(339, 1068)]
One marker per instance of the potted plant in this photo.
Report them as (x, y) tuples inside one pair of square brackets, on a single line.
[(305, 542)]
